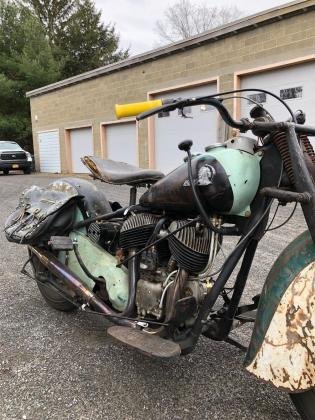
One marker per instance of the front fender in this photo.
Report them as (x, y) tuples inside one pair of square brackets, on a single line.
[(282, 347)]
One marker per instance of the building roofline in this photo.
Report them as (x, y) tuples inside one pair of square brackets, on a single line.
[(241, 25)]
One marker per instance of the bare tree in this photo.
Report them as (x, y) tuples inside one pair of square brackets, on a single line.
[(186, 18)]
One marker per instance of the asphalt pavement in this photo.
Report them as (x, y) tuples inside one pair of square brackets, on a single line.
[(56, 365)]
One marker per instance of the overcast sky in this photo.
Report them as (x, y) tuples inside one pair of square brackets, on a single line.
[(135, 19)]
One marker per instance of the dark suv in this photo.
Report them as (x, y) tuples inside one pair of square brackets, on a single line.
[(13, 157)]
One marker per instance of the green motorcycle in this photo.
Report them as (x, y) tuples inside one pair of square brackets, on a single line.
[(149, 267)]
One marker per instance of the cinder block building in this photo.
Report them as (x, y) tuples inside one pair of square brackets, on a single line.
[(272, 50)]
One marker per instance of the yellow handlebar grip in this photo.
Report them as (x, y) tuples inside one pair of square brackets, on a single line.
[(133, 109)]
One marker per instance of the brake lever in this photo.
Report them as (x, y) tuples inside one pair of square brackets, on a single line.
[(182, 113)]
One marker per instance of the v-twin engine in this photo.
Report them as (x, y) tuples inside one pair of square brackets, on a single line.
[(193, 249)]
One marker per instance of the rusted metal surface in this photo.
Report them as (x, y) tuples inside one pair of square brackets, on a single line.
[(150, 345), (285, 196), (293, 259), (286, 357)]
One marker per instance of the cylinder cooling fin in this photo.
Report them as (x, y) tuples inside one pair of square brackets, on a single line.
[(137, 229), (190, 246)]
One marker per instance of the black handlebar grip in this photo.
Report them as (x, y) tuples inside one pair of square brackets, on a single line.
[(185, 145)]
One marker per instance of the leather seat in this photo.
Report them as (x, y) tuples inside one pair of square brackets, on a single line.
[(120, 173)]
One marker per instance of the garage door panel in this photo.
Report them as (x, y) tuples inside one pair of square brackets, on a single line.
[(171, 129), (121, 142), (301, 76), (81, 145), (49, 151)]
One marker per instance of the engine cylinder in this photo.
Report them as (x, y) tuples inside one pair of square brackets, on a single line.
[(190, 246), (137, 229)]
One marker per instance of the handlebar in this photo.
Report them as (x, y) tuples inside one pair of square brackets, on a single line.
[(202, 100), (133, 109), (147, 109)]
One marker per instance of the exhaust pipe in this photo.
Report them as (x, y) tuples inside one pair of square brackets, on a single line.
[(66, 275)]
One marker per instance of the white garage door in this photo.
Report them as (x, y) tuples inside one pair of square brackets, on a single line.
[(294, 84), (171, 129), (49, 151), (81, 145), (121, 142)]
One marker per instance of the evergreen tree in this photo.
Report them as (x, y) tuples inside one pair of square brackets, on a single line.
[(79, 39), (87, 42), (42, 41), (26, 63), (53, 14)]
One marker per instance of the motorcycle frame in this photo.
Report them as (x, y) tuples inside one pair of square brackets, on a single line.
[(303, 183), (252, 233)]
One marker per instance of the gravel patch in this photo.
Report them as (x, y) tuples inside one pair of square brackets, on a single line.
[(63, 366)]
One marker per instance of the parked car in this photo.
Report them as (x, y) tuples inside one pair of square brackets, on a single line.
[(13, 157)]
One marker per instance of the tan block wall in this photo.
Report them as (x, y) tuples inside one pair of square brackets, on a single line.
[(92, 102)]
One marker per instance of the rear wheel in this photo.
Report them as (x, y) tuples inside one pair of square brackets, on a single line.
[(6, 172), (305, 404), (55, 298)]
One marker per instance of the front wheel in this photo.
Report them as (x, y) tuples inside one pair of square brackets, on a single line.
[(305, 404)]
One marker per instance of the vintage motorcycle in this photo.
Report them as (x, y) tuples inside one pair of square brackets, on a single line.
[(149, 267)]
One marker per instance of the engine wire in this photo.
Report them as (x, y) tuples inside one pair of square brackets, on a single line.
[(239, 243), (191, 222), (273, 218), (285, 222)]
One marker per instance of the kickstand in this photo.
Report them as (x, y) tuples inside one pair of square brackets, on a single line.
[(235, 343)]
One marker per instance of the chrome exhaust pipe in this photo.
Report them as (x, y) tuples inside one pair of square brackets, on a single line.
[(65, 274)]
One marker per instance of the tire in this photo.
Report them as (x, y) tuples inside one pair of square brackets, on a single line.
[(5, 171), (54, 298), (305, 404), (27, 171)]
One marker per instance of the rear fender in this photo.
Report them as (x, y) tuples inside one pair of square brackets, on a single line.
[(282, 347), (94, 199)]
